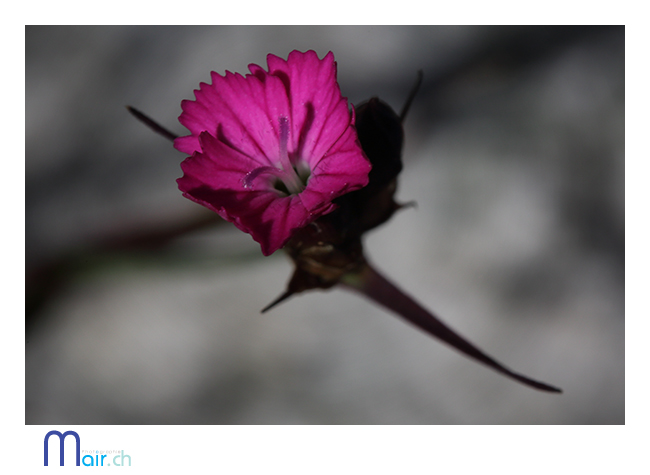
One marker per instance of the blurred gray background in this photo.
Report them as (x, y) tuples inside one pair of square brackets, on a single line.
[(514, 153)]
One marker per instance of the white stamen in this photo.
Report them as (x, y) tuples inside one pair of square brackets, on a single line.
[(287, 173), (291, 178)]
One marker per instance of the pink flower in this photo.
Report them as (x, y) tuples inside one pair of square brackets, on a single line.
[(271, 150)]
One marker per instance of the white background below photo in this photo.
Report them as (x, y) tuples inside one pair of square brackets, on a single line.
[(515, 156)]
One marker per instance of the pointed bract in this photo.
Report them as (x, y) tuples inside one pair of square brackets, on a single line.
[(376, 287)]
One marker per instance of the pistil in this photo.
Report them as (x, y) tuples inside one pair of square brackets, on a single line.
[(291, 178), (287, 174)]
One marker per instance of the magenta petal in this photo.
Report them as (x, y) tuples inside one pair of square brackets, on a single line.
[(319, 113), (268, 219), (235, 132)]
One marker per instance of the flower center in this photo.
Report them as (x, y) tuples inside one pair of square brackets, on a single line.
[(287, 179)]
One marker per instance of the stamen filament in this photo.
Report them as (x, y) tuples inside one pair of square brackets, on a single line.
[(252, 175), (286, 174), (291, 178)]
